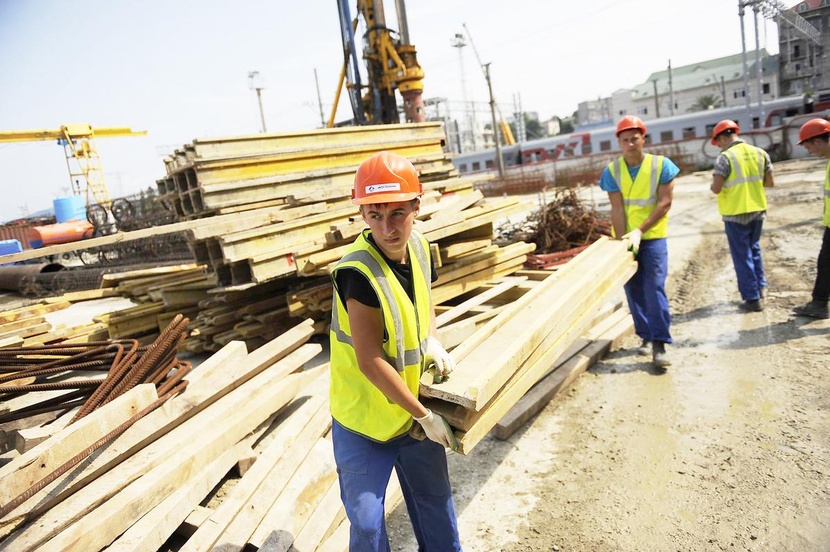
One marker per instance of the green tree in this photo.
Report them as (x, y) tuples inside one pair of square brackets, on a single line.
[(708, 101)]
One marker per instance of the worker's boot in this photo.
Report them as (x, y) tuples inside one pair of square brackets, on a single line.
[(659, 357), (644, 348), (751, 306), (813, 309)]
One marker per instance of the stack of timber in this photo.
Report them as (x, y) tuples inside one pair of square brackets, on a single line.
[(27, 326), (513, 350), (245, 416)]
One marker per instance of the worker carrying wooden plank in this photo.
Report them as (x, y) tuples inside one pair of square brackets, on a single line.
[(382, 339), (640, 188)]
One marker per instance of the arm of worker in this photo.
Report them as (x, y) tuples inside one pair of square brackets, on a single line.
[(367, 336), (717, 183), (617, 213), (769, 181)]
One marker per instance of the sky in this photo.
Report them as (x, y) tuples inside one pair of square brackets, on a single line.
[(179, 68)]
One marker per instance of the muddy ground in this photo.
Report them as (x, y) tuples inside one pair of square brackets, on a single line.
[(728, 450)]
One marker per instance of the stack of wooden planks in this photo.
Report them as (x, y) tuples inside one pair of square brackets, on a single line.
[(513, 350), (251, 413)]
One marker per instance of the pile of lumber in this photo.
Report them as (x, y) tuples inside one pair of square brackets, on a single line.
[(513, 350), (241, 413)]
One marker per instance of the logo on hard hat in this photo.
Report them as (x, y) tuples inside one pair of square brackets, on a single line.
[(379, 188)]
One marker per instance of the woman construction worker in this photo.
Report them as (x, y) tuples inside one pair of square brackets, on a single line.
[(814, 135), (640, 188), (382, 339)]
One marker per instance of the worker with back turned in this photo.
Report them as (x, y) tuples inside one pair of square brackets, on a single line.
[(640, 188), (741, 173), (382, 338)]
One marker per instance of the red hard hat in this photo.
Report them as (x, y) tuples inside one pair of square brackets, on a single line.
[(629, 122), (813, 128), (721, 127), (385, 177)]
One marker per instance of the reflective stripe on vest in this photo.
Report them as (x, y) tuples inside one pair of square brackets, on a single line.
[(827, 196), (640, 195), (355, 402), (743, 191)]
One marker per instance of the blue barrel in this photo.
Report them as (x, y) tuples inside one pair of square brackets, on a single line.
[(7, 247), (69, 208)]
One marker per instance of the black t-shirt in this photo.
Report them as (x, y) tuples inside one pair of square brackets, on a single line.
[(353, 284)]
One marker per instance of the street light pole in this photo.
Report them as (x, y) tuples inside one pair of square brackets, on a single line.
[(499, 158), (255, 83)]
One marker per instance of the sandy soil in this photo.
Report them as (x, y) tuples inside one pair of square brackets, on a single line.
[(728, 450)]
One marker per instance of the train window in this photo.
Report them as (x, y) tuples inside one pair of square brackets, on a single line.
[(476, 165), (488, 164), (756, 122), (648, 138), (586, 148), (710, 129), (689, 132), (765, 88), (605, 145), (463, 167), (667, 136), (569, 151)]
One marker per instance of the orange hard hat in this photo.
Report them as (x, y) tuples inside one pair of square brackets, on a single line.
[(629, 122), (813, 128), (721, 127), (385, 177)]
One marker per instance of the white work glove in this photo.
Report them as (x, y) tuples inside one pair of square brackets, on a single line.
[(439, 357), (438, 430), (633, 239)]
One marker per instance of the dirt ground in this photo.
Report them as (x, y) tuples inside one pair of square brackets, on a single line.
[(728, 450)]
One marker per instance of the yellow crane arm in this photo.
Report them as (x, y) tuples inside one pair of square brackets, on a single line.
[(67, 131)]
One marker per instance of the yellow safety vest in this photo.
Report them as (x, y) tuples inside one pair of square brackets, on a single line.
[(355, 402), (743, 192), (827, 196), (640, 195)]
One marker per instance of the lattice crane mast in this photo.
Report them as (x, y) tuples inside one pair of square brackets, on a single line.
[(82, 159)]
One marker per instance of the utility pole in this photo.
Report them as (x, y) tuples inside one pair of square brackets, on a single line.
[(499, 159), (743, 51), (656, 99), (469, 110), (759, 70), (255, 83), (486, 69), (671, 92)]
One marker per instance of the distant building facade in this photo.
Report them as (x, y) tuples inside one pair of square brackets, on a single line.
[(804, 67)]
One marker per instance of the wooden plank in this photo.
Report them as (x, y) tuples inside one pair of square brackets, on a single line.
[(564, 374), (40, 461), (463, 308), (83, 295), (193, 521), (322, 521), (459, 286), (487, 368), (480, 423), (455, 333), (259, 494), (300, 497), (32, 310), (150, 532), (308, 413), (450, 251), (101, 527)]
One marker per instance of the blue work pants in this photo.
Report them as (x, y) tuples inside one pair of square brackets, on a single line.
[(745, 247), (364, 467), (646, 292)]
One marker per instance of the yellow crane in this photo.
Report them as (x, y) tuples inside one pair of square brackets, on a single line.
[(82, 160)]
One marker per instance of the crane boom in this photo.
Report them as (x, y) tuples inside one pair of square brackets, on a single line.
[(82, 158)]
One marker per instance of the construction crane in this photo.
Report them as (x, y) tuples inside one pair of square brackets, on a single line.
[(82, 160), (391, 64)]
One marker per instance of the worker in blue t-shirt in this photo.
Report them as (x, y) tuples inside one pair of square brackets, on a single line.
[(640, 187)]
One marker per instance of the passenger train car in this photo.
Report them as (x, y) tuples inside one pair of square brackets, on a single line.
[(685, 138)]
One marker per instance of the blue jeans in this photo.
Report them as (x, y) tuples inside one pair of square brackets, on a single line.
[(646, 292), (745, 246), (364, 467)]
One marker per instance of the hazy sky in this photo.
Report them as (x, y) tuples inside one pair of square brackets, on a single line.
[(178, 68)]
